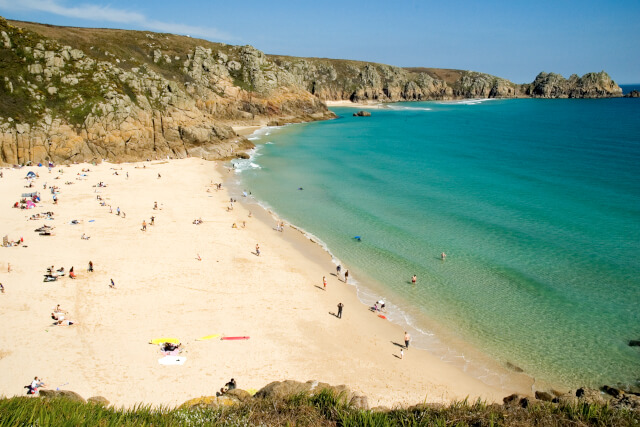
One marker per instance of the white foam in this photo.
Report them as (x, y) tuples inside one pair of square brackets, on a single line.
[(403, 108)]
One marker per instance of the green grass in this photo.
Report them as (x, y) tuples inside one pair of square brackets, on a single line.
[(322, 409)]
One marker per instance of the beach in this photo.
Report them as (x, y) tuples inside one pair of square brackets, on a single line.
[(162, 289)]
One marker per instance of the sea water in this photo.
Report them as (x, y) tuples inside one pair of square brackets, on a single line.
[(536, 204)]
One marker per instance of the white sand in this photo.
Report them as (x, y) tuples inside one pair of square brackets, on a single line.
[(163, 290)]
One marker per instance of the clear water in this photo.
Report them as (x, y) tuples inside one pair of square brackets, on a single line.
[(535, 202)]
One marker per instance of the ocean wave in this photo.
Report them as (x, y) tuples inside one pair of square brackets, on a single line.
[(471, 101), (403, 108)]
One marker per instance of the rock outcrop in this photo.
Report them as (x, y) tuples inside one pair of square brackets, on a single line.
[(633, 94), (591, 85), (362, 113), (66, 103)]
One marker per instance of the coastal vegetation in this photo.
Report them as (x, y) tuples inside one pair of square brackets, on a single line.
[(321, 409)]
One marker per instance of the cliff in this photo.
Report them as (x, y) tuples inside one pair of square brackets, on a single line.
[(591, 85), (332, 80), (73, 94), (81, 94)]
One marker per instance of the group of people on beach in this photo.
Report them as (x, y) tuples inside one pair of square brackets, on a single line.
[(58, 316)]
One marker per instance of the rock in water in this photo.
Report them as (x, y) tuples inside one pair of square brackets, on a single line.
[(362, 113)]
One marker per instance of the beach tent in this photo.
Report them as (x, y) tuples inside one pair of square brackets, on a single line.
[(31, 174)]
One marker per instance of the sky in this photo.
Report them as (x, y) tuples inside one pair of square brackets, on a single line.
[(511, 39)]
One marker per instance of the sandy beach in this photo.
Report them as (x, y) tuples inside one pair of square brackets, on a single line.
[(369, 105), (162, 289)]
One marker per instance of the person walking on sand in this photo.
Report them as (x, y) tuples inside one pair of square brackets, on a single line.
[(112, 285), (346, 276), (340, 305), (414, 279), (1, 288), (257, 250), (153, 220), (118, 211), (144, 225), (324, 282), (90, 269), (401, 354), (407, 339), (338, 269)]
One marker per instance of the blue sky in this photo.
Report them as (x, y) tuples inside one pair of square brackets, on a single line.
[(511, 39)]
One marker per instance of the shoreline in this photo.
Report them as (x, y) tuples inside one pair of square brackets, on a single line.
[(482, 364), (163, 290)]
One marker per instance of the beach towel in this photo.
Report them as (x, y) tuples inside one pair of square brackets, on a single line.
[(172, 360)]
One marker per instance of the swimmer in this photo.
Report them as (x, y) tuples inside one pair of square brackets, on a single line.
[(414, 279), (443, 256)]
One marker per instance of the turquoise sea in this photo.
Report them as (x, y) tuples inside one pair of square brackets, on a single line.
[(535, 202)]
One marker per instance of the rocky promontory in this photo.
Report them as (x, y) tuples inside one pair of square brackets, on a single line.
[(129, 95), (82, 94)]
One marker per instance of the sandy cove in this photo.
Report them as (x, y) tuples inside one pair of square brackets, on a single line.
[(162, 290)]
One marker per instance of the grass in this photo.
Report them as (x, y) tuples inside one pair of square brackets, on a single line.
[(321, 409)]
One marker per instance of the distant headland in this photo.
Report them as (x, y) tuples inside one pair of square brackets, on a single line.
[(80, 94)]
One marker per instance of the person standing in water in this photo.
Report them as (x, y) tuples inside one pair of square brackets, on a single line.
[(414, 279), (346, 276), (443, 256)]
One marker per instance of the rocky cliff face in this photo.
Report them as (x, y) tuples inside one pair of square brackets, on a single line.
[(74, 94), (331, 79), (65, 104), (591, 85)]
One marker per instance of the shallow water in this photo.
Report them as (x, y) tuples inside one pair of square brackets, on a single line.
[(535, 202)]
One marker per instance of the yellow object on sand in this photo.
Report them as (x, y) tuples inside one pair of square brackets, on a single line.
[(163, 340), (208, 337)]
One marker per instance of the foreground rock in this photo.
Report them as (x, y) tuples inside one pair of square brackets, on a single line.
[(66, 394)]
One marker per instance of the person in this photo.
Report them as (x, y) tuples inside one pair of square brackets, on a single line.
[(338, 269), (8, 267), (401, 354), (443, 256), (118, 211), (244, 224), (90, 269), (112, 285), (324, 282), (340, 305), (407, 338), (72, 274), (1, 288), (231, 385), (346, 276), (155, 205), (153, 220), (414, 279), (159, 176), (84, 237), (257, 249), (234, 225), (198, 258), (144, 225)]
